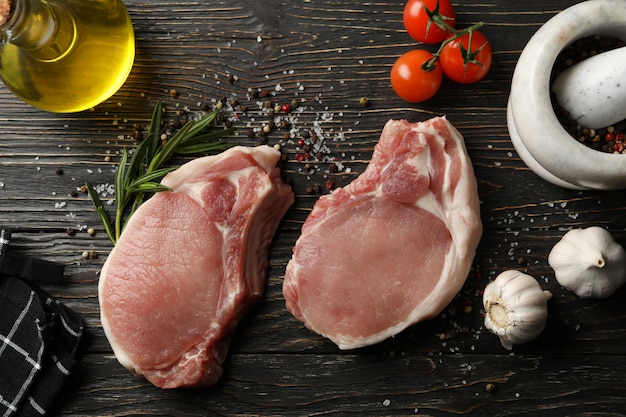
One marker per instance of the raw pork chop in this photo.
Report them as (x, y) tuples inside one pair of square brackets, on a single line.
[(190, 263), (394, 246)]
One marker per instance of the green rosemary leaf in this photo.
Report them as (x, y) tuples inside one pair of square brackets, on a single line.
[(95, 198), (147, 187), (200, 148), (168, 149), (121, 178), (137, 165), (186, 133), (209, 138), (154, 138), (198, 125), (150, 176)]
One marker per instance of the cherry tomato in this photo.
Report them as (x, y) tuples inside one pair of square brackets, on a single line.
[(464, 64), (412, 82), (419, 24)]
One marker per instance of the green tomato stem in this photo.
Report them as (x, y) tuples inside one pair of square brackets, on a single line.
[(430, 64)]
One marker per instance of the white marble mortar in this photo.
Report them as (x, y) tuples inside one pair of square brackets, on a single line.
[(535, 131)]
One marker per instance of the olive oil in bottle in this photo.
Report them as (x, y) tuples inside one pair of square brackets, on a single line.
[(65, 55)]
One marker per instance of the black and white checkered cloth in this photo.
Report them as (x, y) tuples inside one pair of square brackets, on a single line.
[(39, 337)]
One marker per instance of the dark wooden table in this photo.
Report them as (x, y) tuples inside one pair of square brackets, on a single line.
[(327, 54)]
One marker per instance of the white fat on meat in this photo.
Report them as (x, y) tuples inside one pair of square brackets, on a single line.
[(190, 263), (394, 246)]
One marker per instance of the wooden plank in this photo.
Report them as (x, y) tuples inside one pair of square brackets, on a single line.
[(396, 384), (326, 54)]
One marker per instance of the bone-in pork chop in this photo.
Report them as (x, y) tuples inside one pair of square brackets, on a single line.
[(394, 246), (190, 263)]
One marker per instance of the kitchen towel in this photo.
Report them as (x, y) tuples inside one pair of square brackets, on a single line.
[(40, 338)]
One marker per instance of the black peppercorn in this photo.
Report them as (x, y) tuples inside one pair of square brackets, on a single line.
[(176, 124)]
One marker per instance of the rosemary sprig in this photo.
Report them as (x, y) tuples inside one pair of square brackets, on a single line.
[(137, 176)]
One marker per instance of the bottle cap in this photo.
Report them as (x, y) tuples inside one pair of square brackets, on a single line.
[(5, 11)]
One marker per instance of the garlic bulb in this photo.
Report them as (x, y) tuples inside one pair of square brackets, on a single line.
[(516, 308), (589, 262)]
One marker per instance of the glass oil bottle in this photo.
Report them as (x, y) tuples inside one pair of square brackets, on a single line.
[(65, 55)]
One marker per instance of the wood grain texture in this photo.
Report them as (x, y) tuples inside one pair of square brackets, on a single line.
[(326, 54)]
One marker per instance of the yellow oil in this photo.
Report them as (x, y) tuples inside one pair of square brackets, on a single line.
[(84, 62)]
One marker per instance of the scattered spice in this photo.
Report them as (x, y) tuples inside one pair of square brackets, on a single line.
[(137, 135), (89, 254), (59, 171)]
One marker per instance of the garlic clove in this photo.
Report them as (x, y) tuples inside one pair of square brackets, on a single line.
[(589, 262), (516, 308)]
